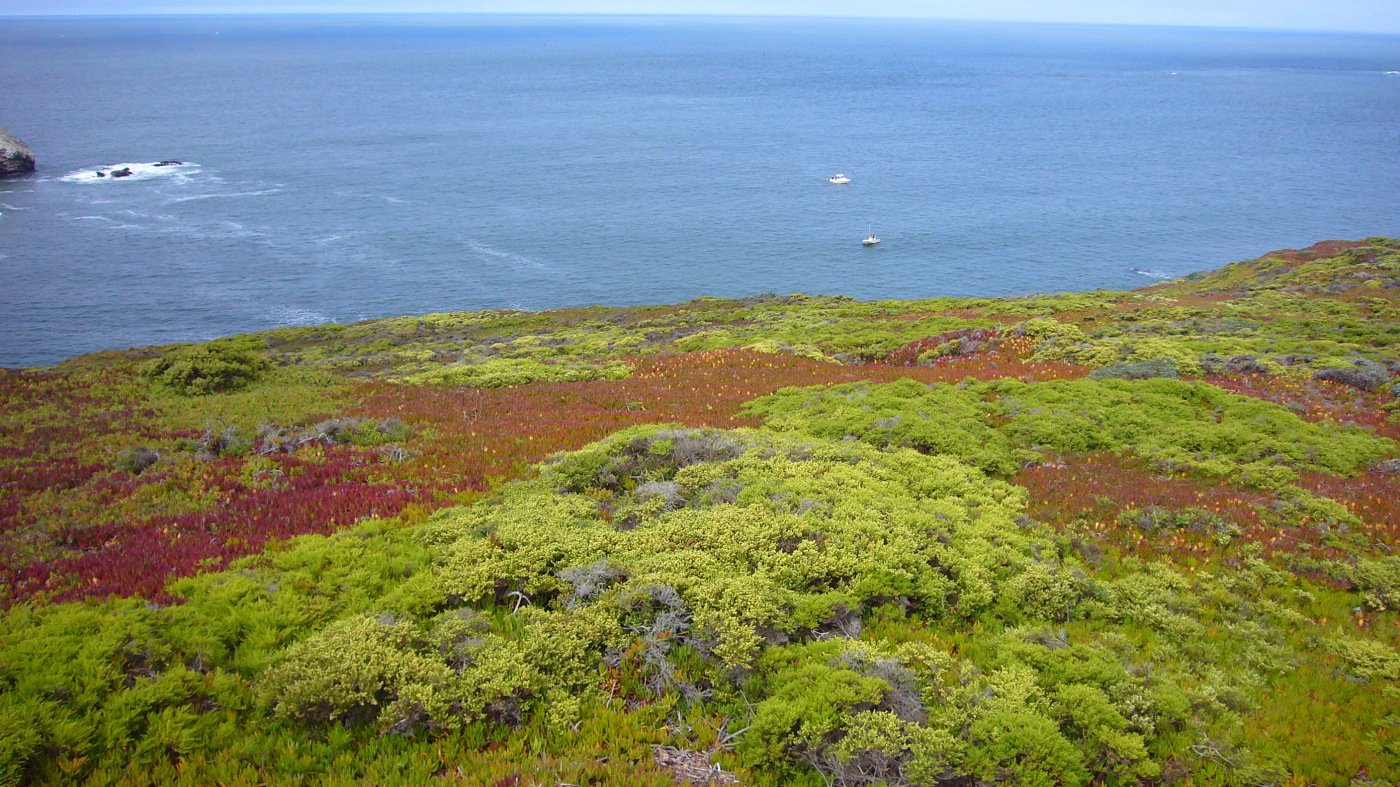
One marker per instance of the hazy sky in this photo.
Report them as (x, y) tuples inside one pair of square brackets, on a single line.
[(1376, 16)]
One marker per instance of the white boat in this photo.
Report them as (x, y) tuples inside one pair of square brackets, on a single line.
[(870, 240), (838, 179)]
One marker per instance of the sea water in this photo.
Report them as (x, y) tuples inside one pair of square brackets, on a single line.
[(338, 168)]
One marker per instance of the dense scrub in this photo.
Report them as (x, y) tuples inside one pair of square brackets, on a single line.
[(1103, 538), (1004, 424), (216, 367), (269, 462), (871, 615)]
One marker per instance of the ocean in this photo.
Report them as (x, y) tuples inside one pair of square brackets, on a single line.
[(339, 168)]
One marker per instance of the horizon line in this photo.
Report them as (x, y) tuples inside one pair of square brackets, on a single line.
[(696, 15)]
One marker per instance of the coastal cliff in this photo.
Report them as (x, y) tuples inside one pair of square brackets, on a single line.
[(15, 157), (1068, 539)]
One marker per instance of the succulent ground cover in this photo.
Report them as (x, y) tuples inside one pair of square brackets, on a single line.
[(1139, 537)]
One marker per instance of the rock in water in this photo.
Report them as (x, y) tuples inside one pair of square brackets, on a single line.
[(15, 156)]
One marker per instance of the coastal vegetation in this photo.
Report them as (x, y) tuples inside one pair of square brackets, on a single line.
[(1103, 538)]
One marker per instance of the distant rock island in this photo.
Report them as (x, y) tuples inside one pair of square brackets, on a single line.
[(15, 157)]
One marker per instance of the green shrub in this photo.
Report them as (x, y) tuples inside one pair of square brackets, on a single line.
[(705, 571), (1142, 370), (1366, 658), (1378, 581), (995, 425), (366, 668), (1364, 374), (202, 369), (1197, 520), (810, 702), (1023, 749), (501, 372), (137, 460), (934, 419), (20, 737)]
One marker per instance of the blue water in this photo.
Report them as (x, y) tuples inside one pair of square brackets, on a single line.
[(341, 168)]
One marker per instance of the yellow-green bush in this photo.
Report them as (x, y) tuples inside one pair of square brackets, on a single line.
[(870, 614), (501, 372), (216, 367), (997, 425), (1378, 579)]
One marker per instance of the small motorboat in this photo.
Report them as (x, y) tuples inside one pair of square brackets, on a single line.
[(870, 240), (839, 179)]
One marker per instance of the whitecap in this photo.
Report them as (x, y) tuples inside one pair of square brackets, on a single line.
[(194, 197), (8, 206), (139, 171), (293, 316), (348, 194), (165, 224), (221, 230), (1151, 273), (508, 256)]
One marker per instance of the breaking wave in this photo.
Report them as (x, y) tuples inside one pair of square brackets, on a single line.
[(1151, 273), (139, 171), (293, 316), (508, 256)]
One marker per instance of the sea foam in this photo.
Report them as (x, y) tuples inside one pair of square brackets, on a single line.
[(139, 171), (197, 197), (1151, 273), (293, 316), (509, 256)]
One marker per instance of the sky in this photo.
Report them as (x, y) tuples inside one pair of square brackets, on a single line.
[(1370, 16)]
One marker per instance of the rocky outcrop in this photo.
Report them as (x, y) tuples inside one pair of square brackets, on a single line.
[(15, 156)]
